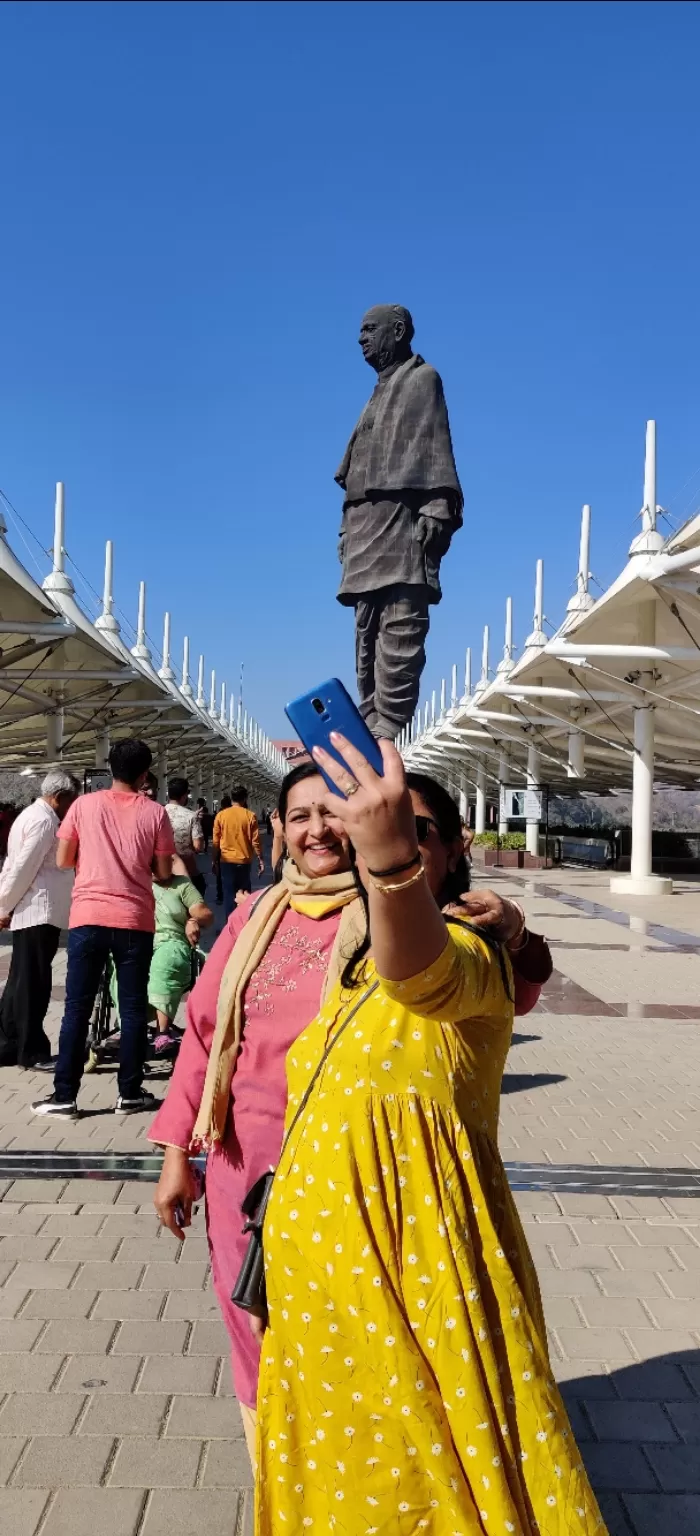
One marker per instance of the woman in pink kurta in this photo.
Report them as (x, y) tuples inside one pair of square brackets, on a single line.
[(280, 1001)]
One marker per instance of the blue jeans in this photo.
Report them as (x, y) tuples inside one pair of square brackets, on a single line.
[(234, 877), (89, 948)]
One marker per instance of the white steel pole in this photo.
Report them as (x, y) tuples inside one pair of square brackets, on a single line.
[(575, 767), (532, 827), (59, 527), (649, 509), (480, 812), (102, 747), (503, 778), (186, 686), (642, 792), (200, 684)]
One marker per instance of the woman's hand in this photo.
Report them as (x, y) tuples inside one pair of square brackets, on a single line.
[(484, 909), (192, 932), (376, 812), (257, 1325), (175, 1192)]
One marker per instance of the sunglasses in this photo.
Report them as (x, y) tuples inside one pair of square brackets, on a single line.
[(423, 825)]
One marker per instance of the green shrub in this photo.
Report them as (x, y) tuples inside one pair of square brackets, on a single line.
[(492, 840)]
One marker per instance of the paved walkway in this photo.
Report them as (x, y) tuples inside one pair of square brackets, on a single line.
[(116, 1410)]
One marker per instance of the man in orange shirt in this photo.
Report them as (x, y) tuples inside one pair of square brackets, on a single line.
[(236, 838)]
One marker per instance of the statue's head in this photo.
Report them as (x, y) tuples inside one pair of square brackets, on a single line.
[(385, 337)]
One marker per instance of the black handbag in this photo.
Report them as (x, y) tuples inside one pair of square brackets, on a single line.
[(249, 1291)]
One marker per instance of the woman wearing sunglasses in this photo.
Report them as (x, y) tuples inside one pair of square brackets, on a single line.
[(265, 978), (405, 1383)]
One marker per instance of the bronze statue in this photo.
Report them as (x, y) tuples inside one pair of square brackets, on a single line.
[(403, 502)]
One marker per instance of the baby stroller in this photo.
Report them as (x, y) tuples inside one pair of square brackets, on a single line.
[(104, 1033)]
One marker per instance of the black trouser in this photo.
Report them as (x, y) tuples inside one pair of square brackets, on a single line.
[(391, 626), (27, 995), (89, 948)]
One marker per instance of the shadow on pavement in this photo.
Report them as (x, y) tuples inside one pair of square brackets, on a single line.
[(523, 1082), (638, 1429)]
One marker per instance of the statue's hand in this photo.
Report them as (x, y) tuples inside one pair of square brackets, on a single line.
[(434, 536)]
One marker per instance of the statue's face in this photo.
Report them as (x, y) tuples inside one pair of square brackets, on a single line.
[(381, 337)]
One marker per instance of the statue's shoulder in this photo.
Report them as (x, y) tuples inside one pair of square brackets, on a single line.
[(422, 377)]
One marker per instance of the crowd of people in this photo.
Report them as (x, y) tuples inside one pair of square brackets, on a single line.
[(349, 1029)]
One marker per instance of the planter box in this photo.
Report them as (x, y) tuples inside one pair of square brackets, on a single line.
[(504, 858)]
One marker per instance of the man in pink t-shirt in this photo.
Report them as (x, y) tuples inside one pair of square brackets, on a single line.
[(118, 841)]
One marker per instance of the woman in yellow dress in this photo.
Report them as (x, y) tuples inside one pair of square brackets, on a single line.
[(406, 1385)]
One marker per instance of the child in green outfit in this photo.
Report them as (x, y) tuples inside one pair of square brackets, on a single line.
[(180, 916)]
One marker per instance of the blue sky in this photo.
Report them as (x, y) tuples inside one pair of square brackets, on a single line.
[(200, 200)]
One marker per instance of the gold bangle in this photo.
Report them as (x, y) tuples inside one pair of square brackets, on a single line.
[(399, 885)]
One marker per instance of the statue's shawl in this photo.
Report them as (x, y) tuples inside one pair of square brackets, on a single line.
[(411, 446)]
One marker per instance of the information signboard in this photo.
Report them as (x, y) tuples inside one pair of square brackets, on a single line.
[(519, 804)]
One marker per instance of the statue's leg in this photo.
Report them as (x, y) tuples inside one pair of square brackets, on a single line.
[(400, 658), (367, 615)]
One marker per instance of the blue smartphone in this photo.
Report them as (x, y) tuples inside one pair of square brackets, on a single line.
[(329, 708)]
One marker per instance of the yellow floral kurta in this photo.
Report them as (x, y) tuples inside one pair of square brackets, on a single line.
[(406, 1384)]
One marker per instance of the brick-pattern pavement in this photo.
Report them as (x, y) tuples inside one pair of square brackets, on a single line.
[(116, 1410)]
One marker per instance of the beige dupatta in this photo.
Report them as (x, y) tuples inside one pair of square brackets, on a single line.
[(246, 955)]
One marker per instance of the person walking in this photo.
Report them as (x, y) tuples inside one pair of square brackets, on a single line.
[(236, 838), (187, 831), (35, 904), (118, 841)]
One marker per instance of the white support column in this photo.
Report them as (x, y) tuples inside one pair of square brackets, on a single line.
[(576, 765), (464, 797), (504, 777), (54, 733), (162, 774), (640, 881), (201, 701), (532, 828), (480, 809), (102, 748)]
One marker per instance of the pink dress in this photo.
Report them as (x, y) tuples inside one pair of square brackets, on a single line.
[(281, 999)]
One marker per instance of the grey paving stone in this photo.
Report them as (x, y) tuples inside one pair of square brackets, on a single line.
[(686, 1420), (6, 1270), (613, 1512), (86, 1511), (108, 1277), (81, 1250), (120, 1305), (29, 1373), (209, 1338), (212, 1510), (670, 1343), (72, 1334), (39, 1413), (45, 1191), (653, 1380), (666, 1313), (151, 1463), (11, 1298), (174, 1277), (613, 1311), (172, 1374), (635, 1421), (664, 1515), (556, 1282), (97, 1193), (192, 1305), (99, 1373), (148, 1338), (128, 1414), (21, 1510), (634, 1283), (208, 1418), (16, 1336), (227, 1466), (23, 1245), (621, 1468), (658, 1260), (20, 1218), (44, 1277), (676, 1466), (70, 1224), (51, 1304), (56, 1462), (594, 1344), (10, 1451)]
